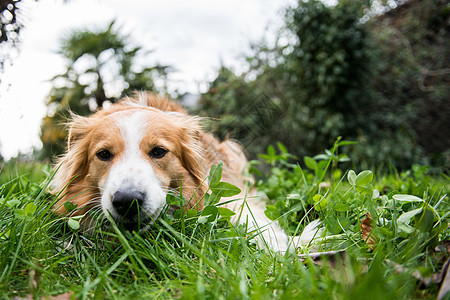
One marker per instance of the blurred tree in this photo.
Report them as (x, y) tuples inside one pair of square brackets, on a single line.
[(411, 83), (312, 86), (330, 70), (379, 79), (9, 28), (101, 68)]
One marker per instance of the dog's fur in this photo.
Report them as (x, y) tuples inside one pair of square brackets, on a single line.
[(132, 170)]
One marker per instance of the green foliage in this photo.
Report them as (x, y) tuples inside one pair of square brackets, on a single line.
[(200, 254), (212, 212), (410, 214), (101, 68), (244, 112), (343, 73), (11, 23), (410, 84), (332, 62)]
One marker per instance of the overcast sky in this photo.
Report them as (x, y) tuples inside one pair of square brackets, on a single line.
[(193, 37)]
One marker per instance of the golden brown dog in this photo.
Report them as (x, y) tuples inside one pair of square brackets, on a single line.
[(125, 159)]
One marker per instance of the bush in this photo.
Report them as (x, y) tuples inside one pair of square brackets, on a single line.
[(341, 76)]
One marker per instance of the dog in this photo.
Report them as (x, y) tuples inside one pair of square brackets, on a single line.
[(125, 160)]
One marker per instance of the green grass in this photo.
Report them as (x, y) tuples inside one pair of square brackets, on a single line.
[(194, 256)]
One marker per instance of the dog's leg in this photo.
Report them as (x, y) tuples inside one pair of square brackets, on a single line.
[(311, 232), (271, 235)]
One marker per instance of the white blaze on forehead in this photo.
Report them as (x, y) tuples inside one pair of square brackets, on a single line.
[(132, 170), (132, 128)]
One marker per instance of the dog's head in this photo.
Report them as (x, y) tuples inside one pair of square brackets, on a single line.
[(126, 159)]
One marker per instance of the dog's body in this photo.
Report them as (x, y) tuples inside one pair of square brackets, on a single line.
[(140, 149)]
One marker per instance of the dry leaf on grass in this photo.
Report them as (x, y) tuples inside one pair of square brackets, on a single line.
[(367, 225)]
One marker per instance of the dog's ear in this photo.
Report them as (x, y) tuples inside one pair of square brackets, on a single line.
[(78, 127), (71, 167), (78, 143), (191, 154)]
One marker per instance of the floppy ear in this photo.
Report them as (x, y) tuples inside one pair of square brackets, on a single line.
[(78, 128), (191, 150), (78, 145), (72, 166), (192, 157)]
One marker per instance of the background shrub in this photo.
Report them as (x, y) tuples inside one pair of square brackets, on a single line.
[(379, 80)]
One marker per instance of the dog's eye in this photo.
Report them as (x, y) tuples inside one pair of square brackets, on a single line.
[(157, 152), (104, 155)]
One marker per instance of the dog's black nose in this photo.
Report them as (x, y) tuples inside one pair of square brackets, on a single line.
[(128, 203)]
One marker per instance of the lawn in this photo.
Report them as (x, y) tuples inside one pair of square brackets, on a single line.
[(386, 237)]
